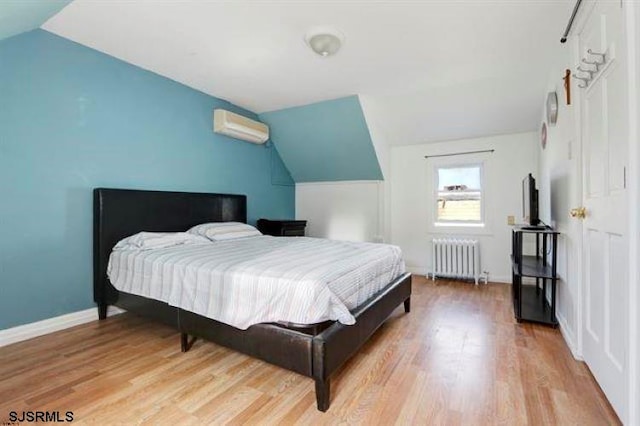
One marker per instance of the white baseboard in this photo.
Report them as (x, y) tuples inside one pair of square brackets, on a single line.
[(339, 182), (417, 270), (500, 279), (567, 335), (39, 328)]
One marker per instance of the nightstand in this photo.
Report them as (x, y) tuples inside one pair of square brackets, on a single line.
[(282, 228)]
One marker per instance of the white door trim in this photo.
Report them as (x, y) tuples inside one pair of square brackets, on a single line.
[(577, 104), (581, 20), (632, 13)]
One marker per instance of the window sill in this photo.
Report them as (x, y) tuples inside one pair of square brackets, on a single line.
[(460, 228), (458, 225)]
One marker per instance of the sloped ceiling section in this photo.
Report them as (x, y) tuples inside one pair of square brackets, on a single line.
[(325, 141), (19, 16), (433, 69)]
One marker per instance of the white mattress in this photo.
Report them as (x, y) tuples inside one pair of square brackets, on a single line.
[(260, 279)]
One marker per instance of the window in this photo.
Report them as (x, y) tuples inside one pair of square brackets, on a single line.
[(459, 195)]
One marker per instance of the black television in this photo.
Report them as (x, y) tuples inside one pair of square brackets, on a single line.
[(530, 201)]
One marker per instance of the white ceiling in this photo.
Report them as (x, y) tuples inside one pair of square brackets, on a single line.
[(436, 69)]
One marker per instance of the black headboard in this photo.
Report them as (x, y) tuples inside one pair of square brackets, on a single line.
[(118, 213)]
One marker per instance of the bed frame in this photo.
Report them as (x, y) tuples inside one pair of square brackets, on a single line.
[(314, 351)]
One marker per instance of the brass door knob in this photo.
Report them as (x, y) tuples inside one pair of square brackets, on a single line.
[(579, 213)]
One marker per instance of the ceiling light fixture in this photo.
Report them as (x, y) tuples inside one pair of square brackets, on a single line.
[(324, 41)]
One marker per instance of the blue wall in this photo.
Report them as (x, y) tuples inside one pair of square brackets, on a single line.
[(325, 141), (72, 119)]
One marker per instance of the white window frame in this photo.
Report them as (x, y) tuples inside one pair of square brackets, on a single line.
[(436, 187)]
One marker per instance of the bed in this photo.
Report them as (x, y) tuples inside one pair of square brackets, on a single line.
[(315, 350)]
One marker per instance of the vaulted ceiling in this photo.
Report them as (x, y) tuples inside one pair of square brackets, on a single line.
[(435, 70), (18, 16)]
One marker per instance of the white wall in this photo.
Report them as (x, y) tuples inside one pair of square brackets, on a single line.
[(412, 201), (348, 210), (560, 191), (351, 210), (377, 121)]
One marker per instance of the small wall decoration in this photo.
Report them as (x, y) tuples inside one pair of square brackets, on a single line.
[(543, 135), (567, 85)]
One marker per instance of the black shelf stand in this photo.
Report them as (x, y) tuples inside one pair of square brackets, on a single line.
[(531, 303)]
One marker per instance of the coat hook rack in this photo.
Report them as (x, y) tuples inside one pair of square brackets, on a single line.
[(602, 55), (591, 67), (584, 80), (594, 63), (590, 72)]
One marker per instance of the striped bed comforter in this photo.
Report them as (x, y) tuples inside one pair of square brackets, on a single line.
[(261, 279)]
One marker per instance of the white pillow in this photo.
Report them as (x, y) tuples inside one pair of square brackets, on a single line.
[(221, 231), (156, 240)]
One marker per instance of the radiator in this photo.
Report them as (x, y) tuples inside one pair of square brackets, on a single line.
[(454, 258)]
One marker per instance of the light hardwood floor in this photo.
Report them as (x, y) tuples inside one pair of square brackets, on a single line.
[(458, 358)]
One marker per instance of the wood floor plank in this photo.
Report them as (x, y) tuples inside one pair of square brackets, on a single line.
[(458, 358)]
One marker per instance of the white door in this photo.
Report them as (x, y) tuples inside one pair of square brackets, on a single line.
[(605, 228)]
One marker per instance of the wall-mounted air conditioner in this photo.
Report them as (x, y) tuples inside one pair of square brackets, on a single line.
[(239, 127)]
